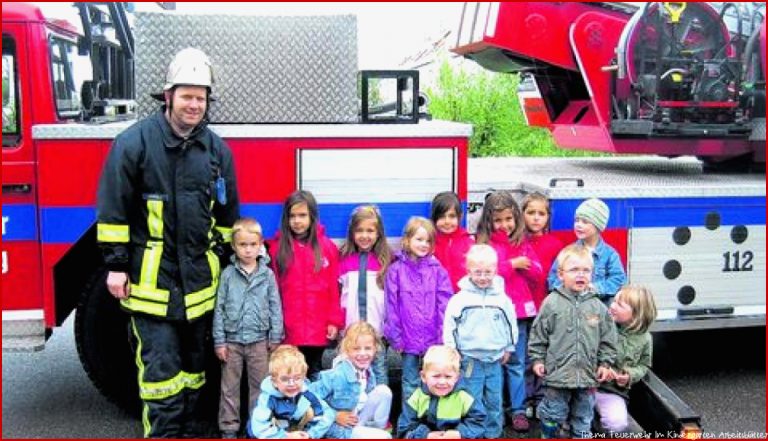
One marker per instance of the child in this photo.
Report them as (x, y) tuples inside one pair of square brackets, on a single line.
[(437, 409), (480, 322), (537, 215), (285, 408), (417, 290), (247, 322), (451, 240), (362, 407), (365, 257), (591, 218), (306, 266), (634, 310), (502, 226), (572, 346)]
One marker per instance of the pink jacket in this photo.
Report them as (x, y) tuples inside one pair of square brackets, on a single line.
[(518, 284), (547, 247), (451, 250), (310, 299)]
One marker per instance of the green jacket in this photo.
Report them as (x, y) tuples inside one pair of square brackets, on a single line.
[(633, 356), (572, 336)]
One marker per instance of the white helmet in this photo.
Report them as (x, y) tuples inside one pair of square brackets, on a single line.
[(190, 67)]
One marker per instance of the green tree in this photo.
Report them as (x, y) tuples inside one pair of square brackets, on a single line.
[(488, 101)]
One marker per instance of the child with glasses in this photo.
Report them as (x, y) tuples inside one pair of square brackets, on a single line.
[(480, 323), (286, 408), (572, 346)]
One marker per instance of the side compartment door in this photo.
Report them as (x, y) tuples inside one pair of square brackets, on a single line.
[(22, 302)]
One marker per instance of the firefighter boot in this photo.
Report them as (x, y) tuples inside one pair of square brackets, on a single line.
[(549, 429)]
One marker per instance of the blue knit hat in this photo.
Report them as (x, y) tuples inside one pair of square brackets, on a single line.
[(595, 212)]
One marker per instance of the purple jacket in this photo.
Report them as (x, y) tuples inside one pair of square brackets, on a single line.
[(417, 293)]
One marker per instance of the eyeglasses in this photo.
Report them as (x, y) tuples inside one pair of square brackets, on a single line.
[(482, 273), (579, 271), (284, 379)]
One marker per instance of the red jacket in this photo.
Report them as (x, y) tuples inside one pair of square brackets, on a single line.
[(310, 299), (518, 283), (547, 247), (451, 250)]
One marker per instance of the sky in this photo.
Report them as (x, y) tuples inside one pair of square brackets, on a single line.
[(387, 32)]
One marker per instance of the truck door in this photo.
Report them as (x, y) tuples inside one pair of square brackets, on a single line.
[(22, 301)]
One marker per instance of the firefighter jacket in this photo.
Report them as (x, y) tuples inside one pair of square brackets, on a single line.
[(164, 204)]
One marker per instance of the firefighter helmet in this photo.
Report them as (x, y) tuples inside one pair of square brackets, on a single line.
[(190, 67)]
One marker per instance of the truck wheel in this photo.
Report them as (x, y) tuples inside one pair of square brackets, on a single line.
[(104, 344)]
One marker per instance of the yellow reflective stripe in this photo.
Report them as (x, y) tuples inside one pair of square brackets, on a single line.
[(196, 297), (195, 380), (163, 389), (137, 305), (150, 265), (145, 421), (226, 234), (200, 309), (146, 424), (155, 219), (114, 233), (151, 294)]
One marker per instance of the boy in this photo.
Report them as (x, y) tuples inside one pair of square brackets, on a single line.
[(247, 322), (591, 219), (572, 346), (437, 410), (286, 408), (480, 322)]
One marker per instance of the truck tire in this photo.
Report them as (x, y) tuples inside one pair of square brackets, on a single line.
[(105, 345)]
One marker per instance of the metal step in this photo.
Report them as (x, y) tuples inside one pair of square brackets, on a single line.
[(23, 331)]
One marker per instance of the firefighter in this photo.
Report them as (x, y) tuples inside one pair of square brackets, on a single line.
[(166, 202)]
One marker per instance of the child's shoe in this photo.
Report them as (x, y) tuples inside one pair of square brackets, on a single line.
[(229, 434), (520, 422), (549, 429)]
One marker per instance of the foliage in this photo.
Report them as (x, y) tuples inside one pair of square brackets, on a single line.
[(489, 102)]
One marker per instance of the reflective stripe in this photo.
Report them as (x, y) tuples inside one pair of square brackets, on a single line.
[(137, 305), (204, 300), (151, 294), (198, 310), (147, 425), (113, 233), (155, 219), (226, 234), (160, 390)]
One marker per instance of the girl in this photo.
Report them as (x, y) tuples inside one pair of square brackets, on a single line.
[(362, 407), (452, 242), (365, 257), (417, 290), (537, 215), (634, 310), (306, 267), (501, 226)]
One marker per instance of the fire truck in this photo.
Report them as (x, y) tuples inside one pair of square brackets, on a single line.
[(286, 104)]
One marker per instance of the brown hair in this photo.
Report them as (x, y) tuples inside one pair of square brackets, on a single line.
[(380, 248), (496, 202), (413, 225), (538, 197), (285, 245), (443, 202)]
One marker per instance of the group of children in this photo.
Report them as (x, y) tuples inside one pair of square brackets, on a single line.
[(458, 310)]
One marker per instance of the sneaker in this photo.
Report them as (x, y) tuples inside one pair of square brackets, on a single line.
[(228, 434), (388, 428), (520, 422)]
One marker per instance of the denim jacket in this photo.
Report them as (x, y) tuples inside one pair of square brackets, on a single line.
[(339, 387), (608, 275)]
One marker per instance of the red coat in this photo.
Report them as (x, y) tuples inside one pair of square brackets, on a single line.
[(310, 299), (547, 247), (518, 283), (451, 250)]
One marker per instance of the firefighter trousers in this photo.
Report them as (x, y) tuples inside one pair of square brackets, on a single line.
[(170, 356)]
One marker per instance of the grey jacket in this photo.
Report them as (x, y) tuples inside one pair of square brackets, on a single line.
[(248, 308), (572, 335)]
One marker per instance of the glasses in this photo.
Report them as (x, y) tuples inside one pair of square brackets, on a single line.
[(579, 271), (482, 273), (284, 379)]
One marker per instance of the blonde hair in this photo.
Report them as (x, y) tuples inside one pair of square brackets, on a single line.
[(538, 197), (640, 298), (482, 253), (442, 355), (380, 249), (355, 331), (247, 224), (574, 250), (413, 225), (287, 359)]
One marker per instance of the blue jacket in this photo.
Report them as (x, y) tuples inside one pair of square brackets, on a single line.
[(608, 275), (481, 322), (275, 414), (424, 413), (339, 387), (248, 306)]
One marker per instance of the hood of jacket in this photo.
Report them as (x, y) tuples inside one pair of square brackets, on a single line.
[(419, 262), (571, 297)]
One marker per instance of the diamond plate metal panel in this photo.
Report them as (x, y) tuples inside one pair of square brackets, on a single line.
[(266, 69)]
